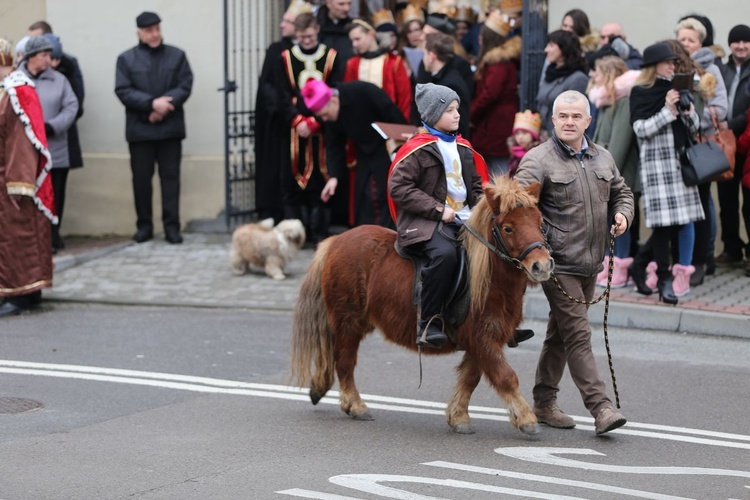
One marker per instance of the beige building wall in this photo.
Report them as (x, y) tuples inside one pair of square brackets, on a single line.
[(99, 198), (17, 15)]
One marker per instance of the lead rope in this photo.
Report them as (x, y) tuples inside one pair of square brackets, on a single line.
[(604, 295)]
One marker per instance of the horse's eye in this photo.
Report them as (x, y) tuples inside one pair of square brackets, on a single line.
[(507, 229)]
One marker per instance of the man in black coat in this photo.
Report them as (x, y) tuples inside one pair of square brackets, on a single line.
[(736, 73), (153, 81), (333, 18), (440, 69), (349, 111)]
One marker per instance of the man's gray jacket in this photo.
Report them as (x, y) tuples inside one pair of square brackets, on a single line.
[(578, 199)]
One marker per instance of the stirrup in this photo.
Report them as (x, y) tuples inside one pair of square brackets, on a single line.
[(437, 341)]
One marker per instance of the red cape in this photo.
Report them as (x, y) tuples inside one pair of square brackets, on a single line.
[(418, 142), (29, 110)]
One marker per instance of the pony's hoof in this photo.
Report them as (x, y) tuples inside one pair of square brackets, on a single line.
[(529, 429), (315, 397), (365, 416), (463, 428)]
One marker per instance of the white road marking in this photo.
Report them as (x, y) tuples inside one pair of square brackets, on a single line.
[(296, 492), (548, 456), (370, 483), (222, 386), (555, 480)]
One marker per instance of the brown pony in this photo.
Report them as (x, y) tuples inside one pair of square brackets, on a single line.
[(357, 282)]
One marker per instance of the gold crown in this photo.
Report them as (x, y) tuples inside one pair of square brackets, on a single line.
[(447, 7), (6, 53), (511, 6), (412, 12), (381, 17), (528, 121), (466, 13), (499, 23), (298, 7)]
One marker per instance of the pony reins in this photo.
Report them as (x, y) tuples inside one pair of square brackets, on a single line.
[(604, 295), (501, 250)]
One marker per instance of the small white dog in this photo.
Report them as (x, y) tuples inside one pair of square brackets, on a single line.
[(265, 246)]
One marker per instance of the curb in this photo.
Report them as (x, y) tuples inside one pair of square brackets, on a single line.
[(671, 319), (64, 262)]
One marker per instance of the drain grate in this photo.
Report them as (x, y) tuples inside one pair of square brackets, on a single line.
[(9, 406)]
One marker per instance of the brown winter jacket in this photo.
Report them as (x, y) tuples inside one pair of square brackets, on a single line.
[(418, 188)]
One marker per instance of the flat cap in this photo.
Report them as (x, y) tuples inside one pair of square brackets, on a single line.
[(146, 19)]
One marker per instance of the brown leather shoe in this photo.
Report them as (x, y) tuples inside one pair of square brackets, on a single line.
[(554, 417), (607, 420), (727, 259)]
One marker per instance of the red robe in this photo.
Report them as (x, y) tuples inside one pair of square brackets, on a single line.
[(418, 142), (387, 71), (25, 231)]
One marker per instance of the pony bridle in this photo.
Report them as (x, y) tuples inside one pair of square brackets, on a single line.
[(501, 249)]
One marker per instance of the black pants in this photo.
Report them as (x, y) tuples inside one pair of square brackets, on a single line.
[(59, 183), (729, 211), (442, 255), (703, 228), (143, 156), (657, 248)]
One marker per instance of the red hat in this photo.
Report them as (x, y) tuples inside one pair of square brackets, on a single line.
[(316, 95)]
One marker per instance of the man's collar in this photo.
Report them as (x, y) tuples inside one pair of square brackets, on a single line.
[(572, 152)]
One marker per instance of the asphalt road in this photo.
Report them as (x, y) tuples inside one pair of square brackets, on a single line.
[(176, 403)]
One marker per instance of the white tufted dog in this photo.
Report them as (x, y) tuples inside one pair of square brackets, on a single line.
[(265, 246)]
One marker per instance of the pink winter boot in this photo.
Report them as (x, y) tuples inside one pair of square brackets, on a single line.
[(651, 278), (620, 272), (681, 282), (601, 278)]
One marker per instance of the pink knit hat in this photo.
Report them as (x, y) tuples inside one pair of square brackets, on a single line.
[(316, 95)]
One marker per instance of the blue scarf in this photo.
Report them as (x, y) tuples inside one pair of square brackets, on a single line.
[(439, 134)]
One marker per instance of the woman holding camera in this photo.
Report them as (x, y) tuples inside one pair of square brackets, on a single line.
[(663, 119)]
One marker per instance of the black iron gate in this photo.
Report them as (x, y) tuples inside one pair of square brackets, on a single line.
[(249, 27)]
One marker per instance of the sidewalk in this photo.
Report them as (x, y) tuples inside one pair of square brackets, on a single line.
[(197, 274)]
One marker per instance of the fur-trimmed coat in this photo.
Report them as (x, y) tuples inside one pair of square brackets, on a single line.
[(495, 102)]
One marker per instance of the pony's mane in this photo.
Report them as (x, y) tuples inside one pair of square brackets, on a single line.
[(502, 197)]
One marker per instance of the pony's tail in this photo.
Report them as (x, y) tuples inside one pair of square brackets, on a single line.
[(312, 341)]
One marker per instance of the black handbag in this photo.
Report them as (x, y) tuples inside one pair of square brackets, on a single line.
[(702, 162)]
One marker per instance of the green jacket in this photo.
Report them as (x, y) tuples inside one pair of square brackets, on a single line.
[(615, 134)]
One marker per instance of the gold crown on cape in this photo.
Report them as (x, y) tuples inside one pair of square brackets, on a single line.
[(412, 12), (529, 121), (447, 7), (381, 17), (298, 7)]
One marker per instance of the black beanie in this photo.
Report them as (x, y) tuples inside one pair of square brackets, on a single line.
[(740, 33)]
